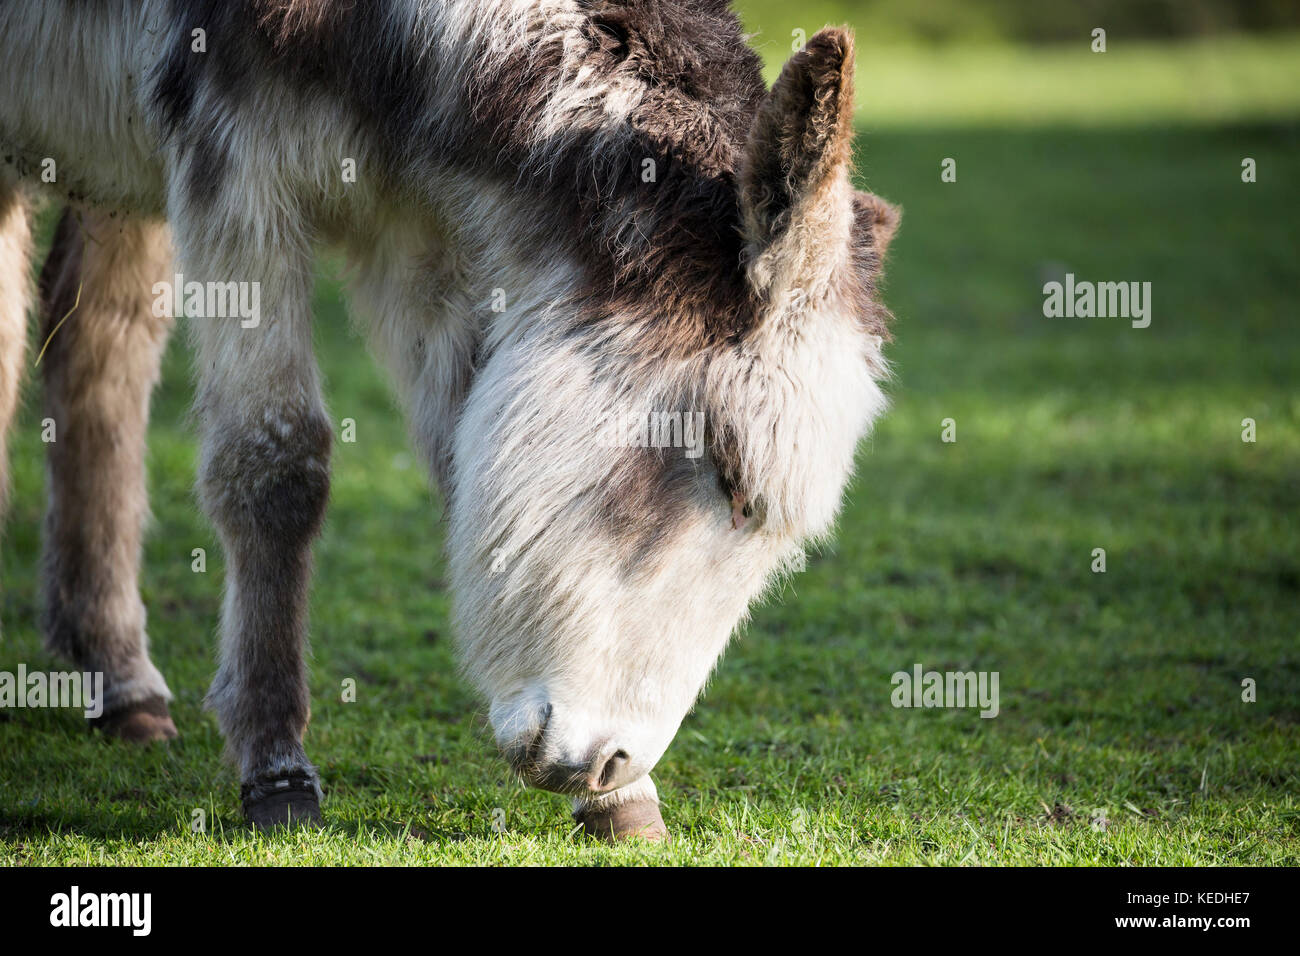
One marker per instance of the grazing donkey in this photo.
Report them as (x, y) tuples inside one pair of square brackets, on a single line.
[(558, 214)]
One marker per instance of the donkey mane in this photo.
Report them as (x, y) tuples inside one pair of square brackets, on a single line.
[(567, 102), (666, 253)]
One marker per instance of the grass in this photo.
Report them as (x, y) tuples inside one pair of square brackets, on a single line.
[(1120, 692)]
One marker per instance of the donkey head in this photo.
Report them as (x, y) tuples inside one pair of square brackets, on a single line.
[(613, 516)]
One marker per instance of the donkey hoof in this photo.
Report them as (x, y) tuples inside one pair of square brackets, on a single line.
[(284, 810), (638, 819), (291, 800), (139, 722)]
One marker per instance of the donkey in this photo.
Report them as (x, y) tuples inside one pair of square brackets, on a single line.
[(556, 214)]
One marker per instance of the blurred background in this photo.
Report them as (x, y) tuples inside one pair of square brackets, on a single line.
[(1013, 61), (938, 22)]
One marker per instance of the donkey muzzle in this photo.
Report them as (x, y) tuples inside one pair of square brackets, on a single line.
[(606, 767)]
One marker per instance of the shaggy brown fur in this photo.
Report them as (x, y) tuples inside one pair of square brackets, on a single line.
[(99, 369)]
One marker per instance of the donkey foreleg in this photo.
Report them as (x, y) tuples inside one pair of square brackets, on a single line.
[(263, 481)]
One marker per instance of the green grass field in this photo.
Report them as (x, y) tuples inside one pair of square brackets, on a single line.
[(1122, 737)]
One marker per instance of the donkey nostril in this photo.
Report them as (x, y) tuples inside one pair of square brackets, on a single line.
[(611, 773)]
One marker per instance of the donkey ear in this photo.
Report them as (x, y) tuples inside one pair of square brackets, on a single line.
[(794, 178), (877, 218)]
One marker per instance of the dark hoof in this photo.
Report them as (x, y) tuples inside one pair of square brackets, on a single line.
[(638, 820), (292, 800), (139, 722)]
